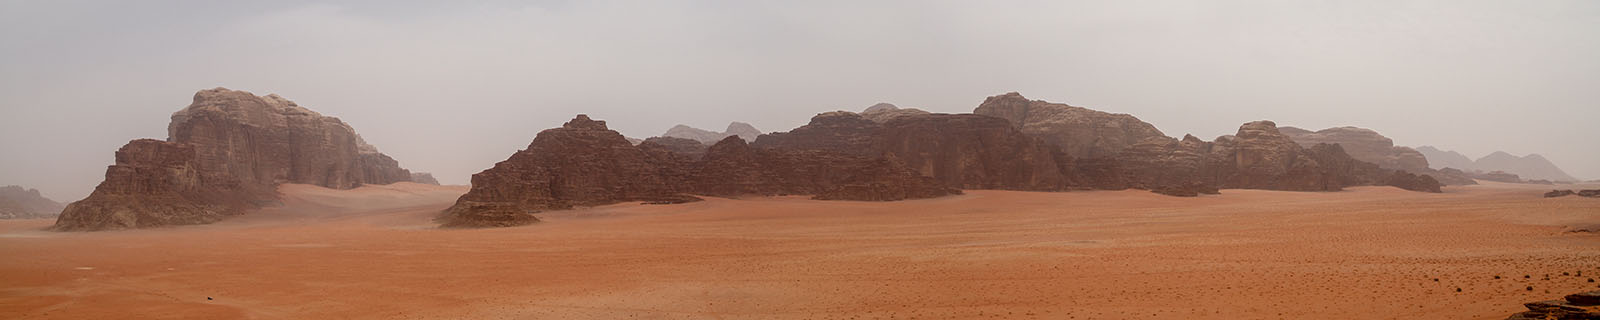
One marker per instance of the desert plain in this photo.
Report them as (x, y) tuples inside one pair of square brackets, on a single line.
[(1472, 252)]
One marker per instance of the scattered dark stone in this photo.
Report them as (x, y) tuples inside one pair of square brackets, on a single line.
[(1558, 193)]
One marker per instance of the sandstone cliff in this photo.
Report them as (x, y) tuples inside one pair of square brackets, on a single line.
[(424, 178), (226, 153), (1079, 132), (1363, 144), (584, 163)]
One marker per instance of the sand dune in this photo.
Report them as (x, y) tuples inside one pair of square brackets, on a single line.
[(1366, 253)]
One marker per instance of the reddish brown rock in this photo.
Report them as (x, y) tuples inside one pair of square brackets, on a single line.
[(19, 203), (271, 140), (580, 164), (838, 131), (969, 151), (585, 164), (1079, 132), (158, 183), (227, 153)]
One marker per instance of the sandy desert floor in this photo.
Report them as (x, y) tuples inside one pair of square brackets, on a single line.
[(1367, 253)]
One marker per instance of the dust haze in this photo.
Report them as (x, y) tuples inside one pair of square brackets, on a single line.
[(453, 89)]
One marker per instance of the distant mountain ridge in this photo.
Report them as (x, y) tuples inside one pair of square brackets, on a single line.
[(1532, 166), (742, 130)]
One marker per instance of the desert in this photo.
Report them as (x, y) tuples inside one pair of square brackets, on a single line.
[(1070, 159), (1363, 253)]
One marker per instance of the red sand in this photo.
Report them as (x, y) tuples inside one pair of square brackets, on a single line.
[(1368, 253)]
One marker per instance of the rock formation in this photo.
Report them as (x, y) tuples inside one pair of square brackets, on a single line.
[(19, 203), (687, 147), (961, 151), (424, 178), (1593, 193), (226, 153), (1363, 144), (1577, 306), (584, 163), (706, 137), (1079, 132), (883, 112)]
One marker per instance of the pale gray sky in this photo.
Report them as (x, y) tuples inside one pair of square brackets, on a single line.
[(452, 89)]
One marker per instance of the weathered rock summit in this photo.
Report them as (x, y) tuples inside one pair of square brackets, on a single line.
[(226, 153), (1079, 132)]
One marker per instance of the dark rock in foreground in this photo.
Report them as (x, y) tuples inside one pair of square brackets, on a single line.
[(1579, 306)]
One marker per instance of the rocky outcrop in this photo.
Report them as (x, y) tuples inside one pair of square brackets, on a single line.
[(733, 168), (969, 151), (1594, 193), (424, 178), (1363, 144), (584, 163), (226, 153), (883, 112), (1441, 159), (687, 147), (965, 151), (19, 203), (1578, 306), (581, 163), (1257, 157), (706, 137), (158, 183), (837, 131), (1079, 132)]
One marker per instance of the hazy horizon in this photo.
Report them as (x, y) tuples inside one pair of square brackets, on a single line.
[(453, 89)]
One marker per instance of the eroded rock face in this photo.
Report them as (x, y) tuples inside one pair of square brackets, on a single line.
[(158, 183), (732, 168), (226, 154), (838, 131), (1079, 132), (580, 164), (19, 203), (585, 164), (1578, 306), (970, 151), (1363, 144), (271, 140)]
